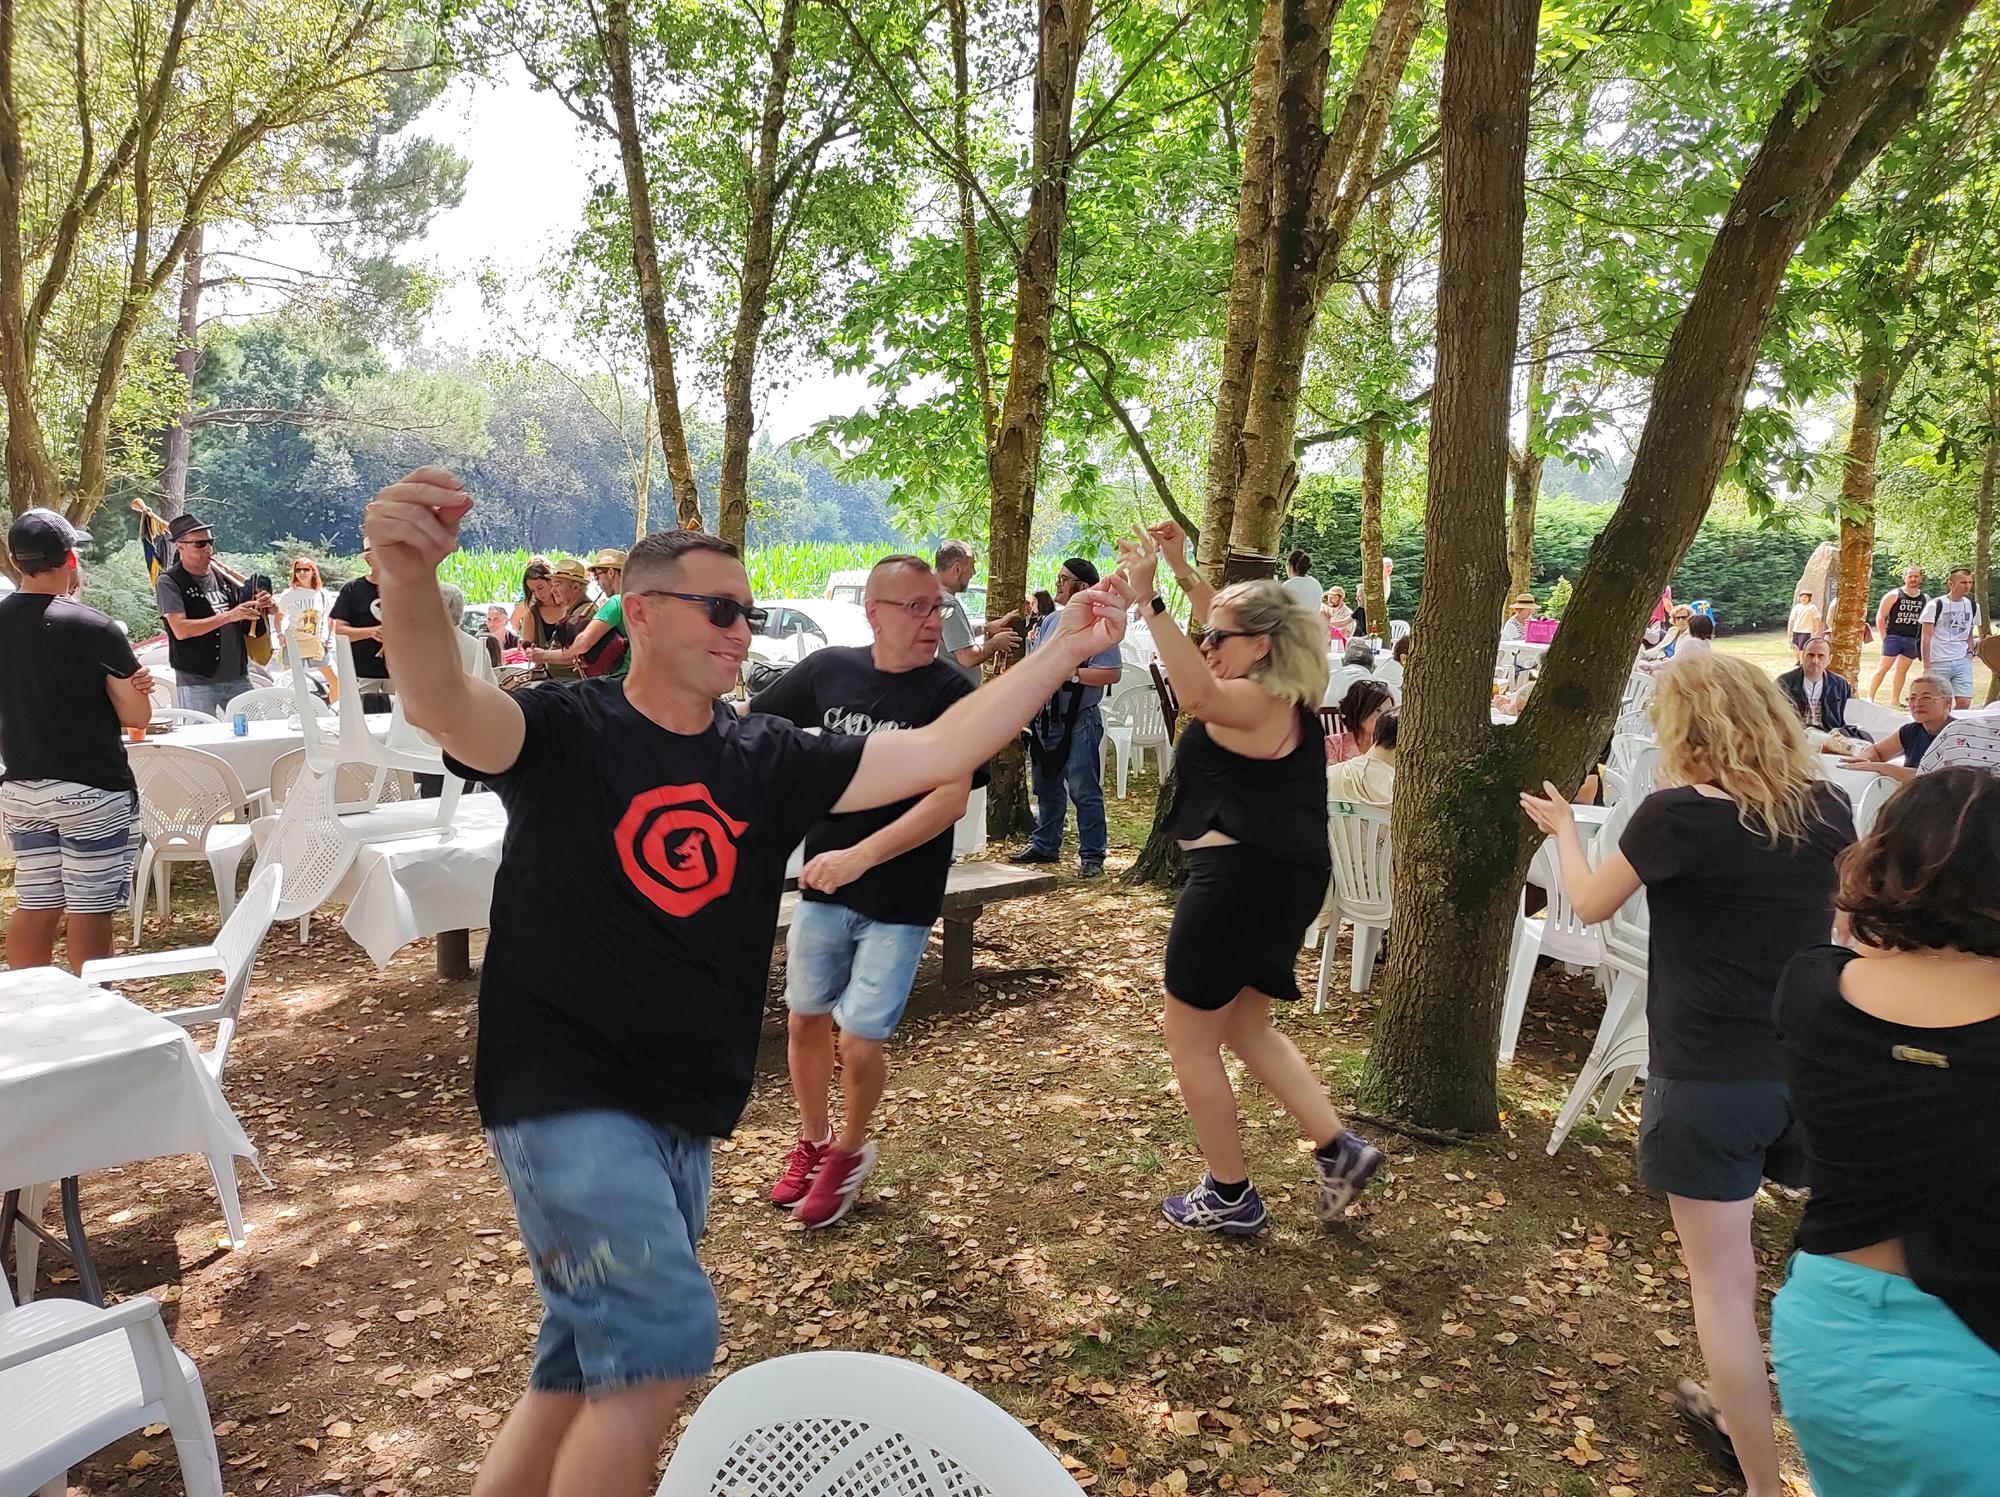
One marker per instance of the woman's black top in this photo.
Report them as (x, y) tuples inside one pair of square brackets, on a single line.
[(1275, 805), (1899, 1136)]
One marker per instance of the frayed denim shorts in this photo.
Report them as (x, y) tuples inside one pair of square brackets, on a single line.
[(610, 1207)]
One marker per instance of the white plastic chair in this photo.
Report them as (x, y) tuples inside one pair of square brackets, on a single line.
[(74, 1378), (1133, 723), (183, 717), (1868, 805), (1618, 1054), (164, 693), (355, 787), (310, 845), (266, 704), (192, 809), (1398, 628), (1358, 893), (1339, 679), (1556, 933), (233, 955), (403, 748), (851, 1424)]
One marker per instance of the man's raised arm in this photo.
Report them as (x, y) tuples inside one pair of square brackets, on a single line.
[(412, 526), (895, 766)]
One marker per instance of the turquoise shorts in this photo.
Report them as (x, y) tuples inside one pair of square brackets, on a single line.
[(1887, 1391)]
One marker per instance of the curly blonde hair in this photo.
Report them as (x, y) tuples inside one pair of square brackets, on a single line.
[(1295, 667), (1722, 721)]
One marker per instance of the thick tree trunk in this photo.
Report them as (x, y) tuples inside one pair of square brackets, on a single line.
[(1526, 465), (753, 302), (1459, 852), (1874, 387), (617, 40), (1017, 447), (187, 359), (1433, 1057), (1374, 478), (1982, 516)]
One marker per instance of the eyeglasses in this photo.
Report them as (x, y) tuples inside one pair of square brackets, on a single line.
[(200, 545), (599, 571), (722, 612), (916, 608), (1215, 639)]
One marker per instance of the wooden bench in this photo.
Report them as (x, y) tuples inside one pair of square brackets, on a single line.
[(968, 889)]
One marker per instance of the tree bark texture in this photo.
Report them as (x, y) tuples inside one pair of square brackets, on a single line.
[(1371, 594), (1318, 186), (1455, 820), (1017, 446), (1874, 387), (1525, 466), (187, 360), (617, 39), (1433, 1057), (754, 294)]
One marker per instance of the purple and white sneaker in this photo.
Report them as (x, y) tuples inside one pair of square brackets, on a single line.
[(1345, 1175), (1203, 1210)]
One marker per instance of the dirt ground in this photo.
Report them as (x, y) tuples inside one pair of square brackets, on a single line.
[(1487, 1320)]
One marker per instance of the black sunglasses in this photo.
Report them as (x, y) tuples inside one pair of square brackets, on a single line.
[(204, 544), (1217, 638), (722, 612)]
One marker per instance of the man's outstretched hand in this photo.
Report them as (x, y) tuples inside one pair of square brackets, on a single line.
[(412, 525)]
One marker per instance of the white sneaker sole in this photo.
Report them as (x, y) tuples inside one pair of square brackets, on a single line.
[(850, 1190)]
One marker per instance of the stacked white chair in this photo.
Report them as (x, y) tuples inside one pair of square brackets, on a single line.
[(1358, 893), (268, 704), (402, 749), (355, 787), (74, 1378), (192, 808), (1556, 933), (851, 1424), (1618, 1053), (1134, 723)]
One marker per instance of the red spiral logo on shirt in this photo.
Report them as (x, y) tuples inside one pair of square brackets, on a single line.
[(678, 847)]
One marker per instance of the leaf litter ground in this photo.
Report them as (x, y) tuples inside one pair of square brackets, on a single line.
[(1487, 1320)]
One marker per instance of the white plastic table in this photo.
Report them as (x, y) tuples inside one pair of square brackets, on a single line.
[(90, 1081), (252, 755)]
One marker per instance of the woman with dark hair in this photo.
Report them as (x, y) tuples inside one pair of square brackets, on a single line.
[(1886, 1336), (1363, 702)]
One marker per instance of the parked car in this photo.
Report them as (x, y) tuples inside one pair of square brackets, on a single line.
[(848, 586), (796, 627)]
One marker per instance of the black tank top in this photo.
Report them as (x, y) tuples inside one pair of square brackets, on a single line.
[(1906, 615), (1275, 805)]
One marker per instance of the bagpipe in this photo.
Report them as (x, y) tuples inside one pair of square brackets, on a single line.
[(159, 551)]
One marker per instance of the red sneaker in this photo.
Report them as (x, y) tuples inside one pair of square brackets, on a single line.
[(800, 1168), (835, 1186)]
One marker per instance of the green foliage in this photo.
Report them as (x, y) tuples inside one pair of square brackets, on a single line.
[(1558, 599)]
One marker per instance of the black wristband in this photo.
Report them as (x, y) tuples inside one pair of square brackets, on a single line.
[(1159, 604)]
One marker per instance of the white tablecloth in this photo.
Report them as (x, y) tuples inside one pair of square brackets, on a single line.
[(424, 883), (89, 1081), (252, 755)]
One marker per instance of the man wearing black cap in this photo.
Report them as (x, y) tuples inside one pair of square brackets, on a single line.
[(1064, 741), (208, 620), (68, 680)]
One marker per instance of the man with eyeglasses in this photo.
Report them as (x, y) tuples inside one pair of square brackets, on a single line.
[(872, 886), (208, 619), (1064, 742), (600, 647), (672, 818)]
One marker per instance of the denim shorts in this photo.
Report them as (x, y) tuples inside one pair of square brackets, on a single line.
[(1888, 1392), (610, 1207), (74, 845), (1894, 645), (1718, 1140), (859, 970), (1958, 672)]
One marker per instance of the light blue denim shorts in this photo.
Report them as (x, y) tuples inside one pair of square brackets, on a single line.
[(1958, 672), (1888, 1392), (610, 1208), (859, 970)]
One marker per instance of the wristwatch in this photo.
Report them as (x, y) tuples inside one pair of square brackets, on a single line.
[(1159, 604)]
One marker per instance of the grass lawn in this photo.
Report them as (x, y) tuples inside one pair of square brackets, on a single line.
[(1772, 649)]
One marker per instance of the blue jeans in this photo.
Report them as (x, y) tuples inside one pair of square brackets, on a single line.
[(839, 962), (610, 1207), (208, 696), (1081, 780), (1888, 1392)]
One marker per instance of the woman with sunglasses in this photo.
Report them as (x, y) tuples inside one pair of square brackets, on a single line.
[(1249, 811), (303, 609)]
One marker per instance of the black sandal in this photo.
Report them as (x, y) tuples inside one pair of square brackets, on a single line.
[(1704, 1426)]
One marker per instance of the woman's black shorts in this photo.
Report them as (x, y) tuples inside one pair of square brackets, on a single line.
[(1238, 924)]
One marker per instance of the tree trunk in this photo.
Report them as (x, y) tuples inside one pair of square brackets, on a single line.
[(1874, 387), (1017, 447), (1526, 465), (753, 303), (642, 484), (617, 41), (1432, 1060), (1982, 515), (1370, 592), (187, 359), (1455, 821)]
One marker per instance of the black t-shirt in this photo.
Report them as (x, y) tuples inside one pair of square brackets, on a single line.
[(636, 904), (839, 691), (1897, 1123), (359, 606), (1728, 911), (1915, 738), (56, 718)]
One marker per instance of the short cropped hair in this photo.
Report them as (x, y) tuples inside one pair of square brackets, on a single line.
[(1385, 728), (951, 553), (1927, 877), (1701, 626), (654, 557), (1359, 652), (890, 563)]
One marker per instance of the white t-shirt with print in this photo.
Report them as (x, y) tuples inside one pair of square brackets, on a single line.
[(1953, 618), (304, 610)]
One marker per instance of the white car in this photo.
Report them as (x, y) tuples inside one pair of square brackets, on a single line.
[(795, 627), (848, 587)]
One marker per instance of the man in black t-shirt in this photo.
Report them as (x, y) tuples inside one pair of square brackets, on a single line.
[(208, 617), (671, 819), (357, 615), (872, 885), (68, 682), (1899, 621)]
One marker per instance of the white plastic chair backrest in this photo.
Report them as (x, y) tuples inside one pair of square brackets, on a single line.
[(182, 793), (1559, 917), (1149, 723), (475, 662), (320, 749), (353, 784), (1645, 771), (186, 717), (1116, 707), (261, 704), (1868, 805), (1626, 930), (1625, 749), (242, 934), (1397, 629), (1638, 690), (1617, 786), (851, 1424), (353, 715), (1339, 679), (309, 845), (164, 694), (1361, 863)]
